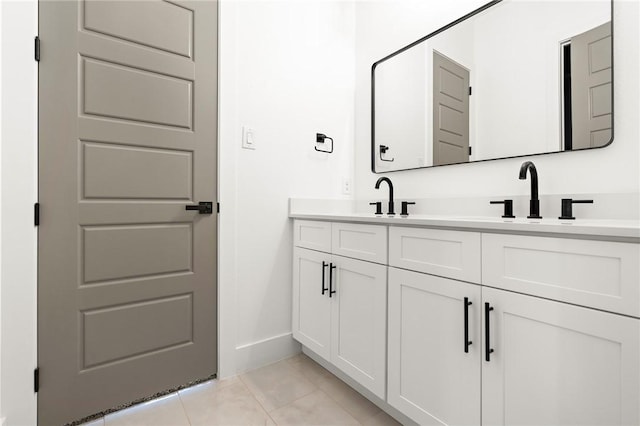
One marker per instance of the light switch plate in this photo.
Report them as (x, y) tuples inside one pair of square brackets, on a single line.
[(248, 138)]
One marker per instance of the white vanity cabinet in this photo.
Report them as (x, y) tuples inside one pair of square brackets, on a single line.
[(481, 327), (558, 364), (531, 360), (339, 302), (434, 325), (311, 303), (434, 372)]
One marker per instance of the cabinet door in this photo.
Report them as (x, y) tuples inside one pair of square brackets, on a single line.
[(311, 322), (431, 377), (358, 336), (559, 364)]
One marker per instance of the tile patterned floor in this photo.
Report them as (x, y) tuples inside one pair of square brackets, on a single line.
[(295, 391)]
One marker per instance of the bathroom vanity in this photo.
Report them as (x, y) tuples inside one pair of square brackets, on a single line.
[(475, 321), (479, 320)]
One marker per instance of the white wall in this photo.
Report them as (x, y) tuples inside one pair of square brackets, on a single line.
[(18, 139), (614, 169), (287, 71), (2, 419)]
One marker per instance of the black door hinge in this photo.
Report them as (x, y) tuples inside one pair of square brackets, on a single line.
[(36, 380), (37, 49), (469, 90), (469, 150), (36, 214), (218, 207)]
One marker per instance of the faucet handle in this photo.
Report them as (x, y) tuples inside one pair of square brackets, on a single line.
[(378, 205), (405, 205), (508, 208), (566, 207)]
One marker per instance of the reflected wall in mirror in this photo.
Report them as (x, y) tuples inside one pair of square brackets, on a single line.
[(512, 78)]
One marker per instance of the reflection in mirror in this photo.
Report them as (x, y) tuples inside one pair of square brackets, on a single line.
[(518, 78)]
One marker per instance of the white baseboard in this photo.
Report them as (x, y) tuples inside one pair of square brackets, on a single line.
[(382, 404), (2, 421), (264, 352)]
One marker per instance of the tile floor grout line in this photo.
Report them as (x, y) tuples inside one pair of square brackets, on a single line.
[(342, 405), (316, 388), (295, 400), (255, 397), (273, 421), (186, 413)]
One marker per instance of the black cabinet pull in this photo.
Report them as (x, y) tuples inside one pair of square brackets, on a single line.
[(467, 342), (331, 268), (487, 334), (324, 265)]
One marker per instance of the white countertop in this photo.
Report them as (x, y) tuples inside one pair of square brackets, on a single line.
[(615, 230)]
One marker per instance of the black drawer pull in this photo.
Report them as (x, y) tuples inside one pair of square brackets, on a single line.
[(331, 268), (467, 342), (487, 333), (324, 265)]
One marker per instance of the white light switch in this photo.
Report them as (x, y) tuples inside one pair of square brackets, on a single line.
[(248, 138)]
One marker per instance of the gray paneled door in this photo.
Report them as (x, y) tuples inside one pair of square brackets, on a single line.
[(450, 111), (127, 138), (591, 87)]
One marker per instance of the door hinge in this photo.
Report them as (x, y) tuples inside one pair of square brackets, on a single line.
[(469, 150), (218, 207), (470, 90), (37, 49), (36, 380), (36, 214)]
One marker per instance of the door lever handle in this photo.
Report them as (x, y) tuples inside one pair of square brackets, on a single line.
[(203, 207)]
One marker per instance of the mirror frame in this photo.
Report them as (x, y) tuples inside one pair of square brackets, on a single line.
[(442, 29)]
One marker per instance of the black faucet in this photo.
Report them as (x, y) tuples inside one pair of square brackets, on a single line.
[(534, 203), (391, 211)]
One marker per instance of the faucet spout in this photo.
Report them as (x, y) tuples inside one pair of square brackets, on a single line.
[(528, 165), (391, 211), (534, 203)]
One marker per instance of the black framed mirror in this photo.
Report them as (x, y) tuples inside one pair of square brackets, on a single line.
[(512, 78)]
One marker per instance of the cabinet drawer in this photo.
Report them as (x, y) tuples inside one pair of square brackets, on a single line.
[(313, 235), (451, 254), (598, 274), (366, 242)]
